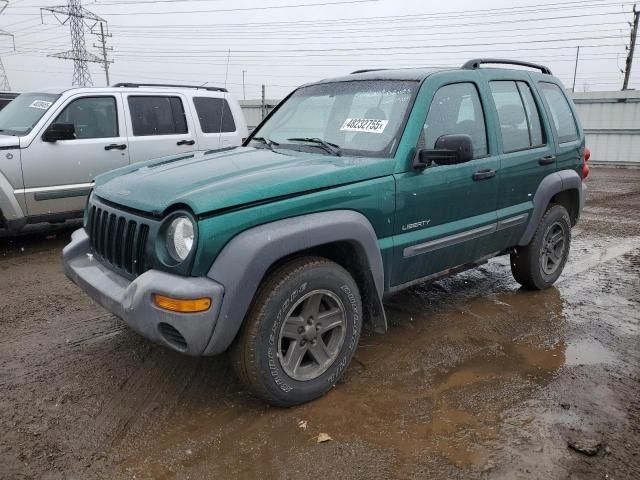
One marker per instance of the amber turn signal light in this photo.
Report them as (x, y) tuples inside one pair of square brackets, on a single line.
[(183, 306)]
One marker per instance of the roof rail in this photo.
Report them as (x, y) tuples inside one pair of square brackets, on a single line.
[(476, 62), (136, 85), (366, 70)]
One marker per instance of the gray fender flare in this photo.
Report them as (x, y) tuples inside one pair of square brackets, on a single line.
[(244, 261), (551, 185), (9, 206)]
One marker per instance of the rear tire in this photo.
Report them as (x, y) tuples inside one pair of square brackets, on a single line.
[(300, 333), (538, 265)]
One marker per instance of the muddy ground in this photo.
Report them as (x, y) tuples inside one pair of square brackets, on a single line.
[(475, 379)]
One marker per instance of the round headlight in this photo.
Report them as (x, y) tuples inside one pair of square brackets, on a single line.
[(180, 237)]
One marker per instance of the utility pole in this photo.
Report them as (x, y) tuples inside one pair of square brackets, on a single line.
[(575, 70), (102, 45), (244, 94), (4, 80), (263, 105), (77, 17), (632, 46)]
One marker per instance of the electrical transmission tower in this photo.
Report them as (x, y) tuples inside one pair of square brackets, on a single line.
[(77, 17), (4, 80)]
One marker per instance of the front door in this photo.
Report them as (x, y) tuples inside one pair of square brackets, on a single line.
[(58, 175), (446, 214)]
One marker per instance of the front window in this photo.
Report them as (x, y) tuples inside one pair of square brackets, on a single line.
[(21, 115), (351, 118), (92, 117)]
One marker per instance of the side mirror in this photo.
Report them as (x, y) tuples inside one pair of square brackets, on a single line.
[(448, 150), (59, 131)]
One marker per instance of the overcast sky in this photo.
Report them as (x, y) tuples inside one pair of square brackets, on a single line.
[(284, 43)]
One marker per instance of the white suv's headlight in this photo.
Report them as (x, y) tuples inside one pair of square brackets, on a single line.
[(180, 238)]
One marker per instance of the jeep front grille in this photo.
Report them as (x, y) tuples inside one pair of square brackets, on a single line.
[(118, 240)]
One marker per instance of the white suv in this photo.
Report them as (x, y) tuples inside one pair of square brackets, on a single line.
[(52, 145)]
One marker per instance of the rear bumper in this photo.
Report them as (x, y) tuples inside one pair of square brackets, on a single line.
[(132, 300)]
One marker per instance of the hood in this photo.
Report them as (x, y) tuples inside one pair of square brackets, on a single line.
[(9, 141), (209, 181)]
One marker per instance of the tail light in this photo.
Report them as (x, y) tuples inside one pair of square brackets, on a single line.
[(585, 166)]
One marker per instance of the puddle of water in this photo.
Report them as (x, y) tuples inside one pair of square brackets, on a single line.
[(588, 352), (434, 386)]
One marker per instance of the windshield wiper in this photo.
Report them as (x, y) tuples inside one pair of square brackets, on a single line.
[(332, 148), (267, 142)]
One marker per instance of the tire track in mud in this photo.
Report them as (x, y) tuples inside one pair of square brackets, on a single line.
[(150, 391)]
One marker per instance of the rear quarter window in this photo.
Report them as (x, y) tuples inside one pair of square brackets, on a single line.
[(562, 116), (214, 115)]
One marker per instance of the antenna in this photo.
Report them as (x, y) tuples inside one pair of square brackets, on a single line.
[(78, 18), (4, 80)]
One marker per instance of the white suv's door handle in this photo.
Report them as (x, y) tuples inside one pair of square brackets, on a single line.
[(186, 142), (116, 146)]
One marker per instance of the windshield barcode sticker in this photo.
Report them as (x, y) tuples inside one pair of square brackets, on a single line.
[(40, 104), (364, 125)]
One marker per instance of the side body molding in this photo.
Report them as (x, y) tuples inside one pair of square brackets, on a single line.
[(552, 184), (244, 261)]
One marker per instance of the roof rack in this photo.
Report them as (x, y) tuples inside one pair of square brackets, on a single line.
[(136, 85), (476, 62), (366, 70)]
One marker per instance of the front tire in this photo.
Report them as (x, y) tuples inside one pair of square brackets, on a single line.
[(538, 265), (300, 333)]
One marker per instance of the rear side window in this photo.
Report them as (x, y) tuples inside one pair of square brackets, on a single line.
[(214, 114), (92, 117), (456, 109), (157, 115), (561, 112), (520, 124)]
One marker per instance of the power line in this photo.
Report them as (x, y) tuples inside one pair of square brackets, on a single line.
[(244, 9), (379, 19)]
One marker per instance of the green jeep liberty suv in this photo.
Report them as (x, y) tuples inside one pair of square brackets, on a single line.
[(352, 188)]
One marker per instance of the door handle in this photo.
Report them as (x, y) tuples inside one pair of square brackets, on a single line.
[(548, 160), (186, 142), (116, 146), (484, 174)]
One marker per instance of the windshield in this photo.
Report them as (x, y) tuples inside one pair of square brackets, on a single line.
[(20, 116), (351, 118)]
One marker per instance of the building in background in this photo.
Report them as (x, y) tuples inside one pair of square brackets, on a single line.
[(611, 121), (254, 111)]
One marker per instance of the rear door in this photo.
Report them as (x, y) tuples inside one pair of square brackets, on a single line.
[(158, 126), (58, 175), (446, 213), (527, 150)]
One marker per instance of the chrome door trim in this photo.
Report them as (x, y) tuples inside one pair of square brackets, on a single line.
[(56, 188), (449, 240), (463, 236)]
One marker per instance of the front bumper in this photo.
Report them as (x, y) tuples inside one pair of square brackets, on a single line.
[(132, 300)]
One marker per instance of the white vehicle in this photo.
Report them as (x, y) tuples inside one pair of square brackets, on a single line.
[(52, 145)]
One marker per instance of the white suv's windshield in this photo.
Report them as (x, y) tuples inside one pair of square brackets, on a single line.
[(351, 118), (21, 115)]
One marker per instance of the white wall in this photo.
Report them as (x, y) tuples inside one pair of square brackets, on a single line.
[(611, 121)]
